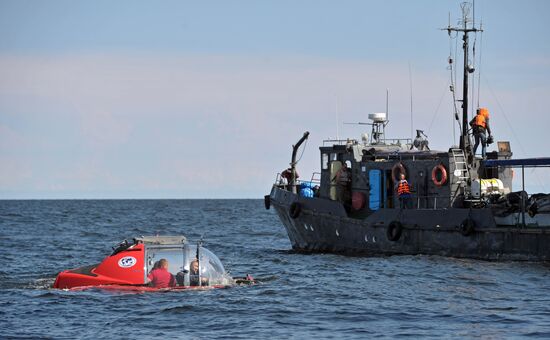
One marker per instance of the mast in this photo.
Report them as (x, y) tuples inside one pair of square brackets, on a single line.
[(465, 6)]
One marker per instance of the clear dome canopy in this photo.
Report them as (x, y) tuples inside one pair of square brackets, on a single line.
[(206, 270)]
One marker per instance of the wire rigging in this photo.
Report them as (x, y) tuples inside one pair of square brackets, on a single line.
[(518, 140), (453, 72), (303, 149), (472, 95), (445, 87), (479, 67)]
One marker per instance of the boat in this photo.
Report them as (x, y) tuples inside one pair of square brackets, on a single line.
[(461, 205), (128, 266)]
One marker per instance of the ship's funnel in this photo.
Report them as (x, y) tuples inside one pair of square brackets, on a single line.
[(378, 117)]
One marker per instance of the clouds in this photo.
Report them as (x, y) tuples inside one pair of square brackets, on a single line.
[(155, 125), (205, 99)]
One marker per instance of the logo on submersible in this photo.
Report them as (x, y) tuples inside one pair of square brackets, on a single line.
[(127, 262)]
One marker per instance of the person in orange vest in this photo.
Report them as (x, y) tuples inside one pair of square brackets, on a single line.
[(480, 125), (404, 193)]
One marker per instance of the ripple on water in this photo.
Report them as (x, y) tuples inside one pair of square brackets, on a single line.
[(300, 296)]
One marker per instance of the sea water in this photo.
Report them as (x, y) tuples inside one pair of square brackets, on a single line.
[(301, 296)]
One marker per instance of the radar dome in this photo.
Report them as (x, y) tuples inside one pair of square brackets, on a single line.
[(379, 117)]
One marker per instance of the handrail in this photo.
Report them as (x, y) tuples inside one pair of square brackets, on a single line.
[(279, 179), (383, 141), (314, 179), (416, 201)]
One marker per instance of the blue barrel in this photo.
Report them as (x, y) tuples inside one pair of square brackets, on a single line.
[(309, 185), (306, 192)]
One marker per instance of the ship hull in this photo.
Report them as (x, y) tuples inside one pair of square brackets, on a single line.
[(324, 226)]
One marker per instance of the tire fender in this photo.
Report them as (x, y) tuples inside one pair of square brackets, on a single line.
[(394, 231), (467, 227), (295, 209), (267, 202)]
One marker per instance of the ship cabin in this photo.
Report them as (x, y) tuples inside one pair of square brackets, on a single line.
[(437, 179)]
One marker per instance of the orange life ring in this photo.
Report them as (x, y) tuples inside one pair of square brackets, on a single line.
[(401, 168), (443, 180)]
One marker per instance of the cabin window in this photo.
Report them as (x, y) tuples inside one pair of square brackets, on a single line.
[(324, 160), (348, 163), (333, 156), (174, 256)]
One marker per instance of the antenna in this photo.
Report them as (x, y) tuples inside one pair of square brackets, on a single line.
[(387, 109), (411, 86), (337, 119), (473, 13), (479, 64), (465, 30)]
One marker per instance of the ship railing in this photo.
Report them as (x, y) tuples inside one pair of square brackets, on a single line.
[(429, 202), (338, 142), (396, 141), (542, 162), (427, 199), (279, 182), (382, 141), (432, 202), (282, 184), (316, 178)]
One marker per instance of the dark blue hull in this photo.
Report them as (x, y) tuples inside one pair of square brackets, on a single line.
[(324, 226)]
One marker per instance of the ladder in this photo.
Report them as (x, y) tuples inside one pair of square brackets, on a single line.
[(460, 164)]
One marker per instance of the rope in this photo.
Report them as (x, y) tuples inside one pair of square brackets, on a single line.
[(303, 149), (438, 106)]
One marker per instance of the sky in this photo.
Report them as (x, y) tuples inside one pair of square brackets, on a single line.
[(204, 99)]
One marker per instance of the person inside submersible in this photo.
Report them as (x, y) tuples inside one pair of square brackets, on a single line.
[(160, 277), (194, 276)]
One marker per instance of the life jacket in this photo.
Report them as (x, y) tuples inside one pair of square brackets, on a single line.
[(480, 120), (484, 112), (403, 187)]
